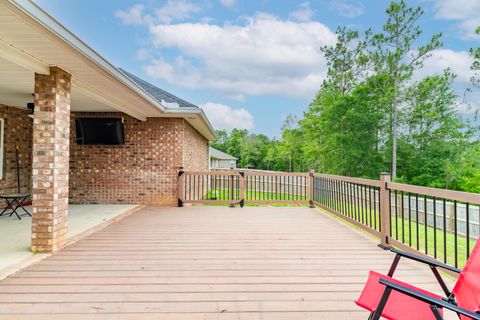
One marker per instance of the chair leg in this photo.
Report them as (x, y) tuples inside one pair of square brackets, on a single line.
[(436, 313), (381, 305), (394, 265)]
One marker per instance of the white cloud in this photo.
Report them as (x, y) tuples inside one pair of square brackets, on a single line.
[(132, 16), (458, 61), (303, 13), (264, 56), (225, 117), (172, 10), (176, 10), (228, 3), (347, 9), (466, 12)]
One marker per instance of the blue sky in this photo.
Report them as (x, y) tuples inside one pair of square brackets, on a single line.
[(250, 63)]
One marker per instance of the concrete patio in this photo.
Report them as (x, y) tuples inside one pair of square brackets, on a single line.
[(207, 263), (15, 235)]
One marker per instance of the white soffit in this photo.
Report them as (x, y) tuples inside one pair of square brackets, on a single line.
[(30, 44)]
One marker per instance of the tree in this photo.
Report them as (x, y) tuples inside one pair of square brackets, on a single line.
[(347, 60), (475, 53), (289, 147), (395, 55), (351, 129), (436, 134)]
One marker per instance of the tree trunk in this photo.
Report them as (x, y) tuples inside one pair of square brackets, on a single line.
[(394, 129)]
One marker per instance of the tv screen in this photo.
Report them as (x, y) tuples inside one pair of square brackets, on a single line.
[(106, 131)]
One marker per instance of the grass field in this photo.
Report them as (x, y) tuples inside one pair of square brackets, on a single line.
[(437, 242), (225, 194)]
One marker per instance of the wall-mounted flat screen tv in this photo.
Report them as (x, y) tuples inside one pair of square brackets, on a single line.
[(100, 131)]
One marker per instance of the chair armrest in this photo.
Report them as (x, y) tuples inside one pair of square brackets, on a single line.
[(430, 300), (430, 262)]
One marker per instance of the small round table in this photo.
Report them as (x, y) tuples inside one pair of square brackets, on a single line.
[(15, 201)]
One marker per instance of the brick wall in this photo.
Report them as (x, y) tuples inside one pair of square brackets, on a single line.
[(17, 131), (143, 170), (195, 150)]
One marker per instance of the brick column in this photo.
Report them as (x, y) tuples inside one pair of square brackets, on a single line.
[(51, 138)]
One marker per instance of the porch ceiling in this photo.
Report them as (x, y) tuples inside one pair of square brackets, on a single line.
[(35, 46), (16, 88)]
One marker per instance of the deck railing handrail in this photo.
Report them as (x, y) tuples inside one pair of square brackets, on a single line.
[(430, 221), (452, 195), (370, 182)]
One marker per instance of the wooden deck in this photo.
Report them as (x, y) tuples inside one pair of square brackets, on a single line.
[(207, 263)]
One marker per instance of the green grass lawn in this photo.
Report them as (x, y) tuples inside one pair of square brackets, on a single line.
[(445, 242), (225, 194)]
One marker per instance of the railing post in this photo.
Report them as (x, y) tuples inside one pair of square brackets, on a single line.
[(180, 188), (232, 191), (384, 210), (312, 191), (242, 189)]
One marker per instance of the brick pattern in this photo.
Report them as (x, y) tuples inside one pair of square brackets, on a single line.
[(143, 170), (17, 131), (195, 150), (51, 139)]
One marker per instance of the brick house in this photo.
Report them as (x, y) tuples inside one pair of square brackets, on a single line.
[(43, 63)]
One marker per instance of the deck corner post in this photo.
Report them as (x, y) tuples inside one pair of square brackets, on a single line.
[(180, 188), (311, 174), (384, 210), (242, 189)]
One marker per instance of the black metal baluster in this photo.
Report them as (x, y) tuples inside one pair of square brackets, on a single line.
[(396, 215), (425, 220), (418, 222), (360, 203), (354, 202), (445, 230), (370, 206), (409, 219), (467, 207), (349, 194), (455, 232), (375, 208), (403, 217)]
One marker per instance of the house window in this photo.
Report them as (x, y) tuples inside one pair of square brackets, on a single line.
[(1, 148)]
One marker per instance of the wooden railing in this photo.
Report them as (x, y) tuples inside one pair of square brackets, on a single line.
[(442, 224), (243, 187)]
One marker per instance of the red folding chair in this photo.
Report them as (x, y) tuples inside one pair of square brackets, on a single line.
[(391, 299)]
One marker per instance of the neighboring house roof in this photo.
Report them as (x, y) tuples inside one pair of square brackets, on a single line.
[(217, 154), (165, 98)]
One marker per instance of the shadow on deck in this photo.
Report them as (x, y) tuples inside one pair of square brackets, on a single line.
[(207, 263)]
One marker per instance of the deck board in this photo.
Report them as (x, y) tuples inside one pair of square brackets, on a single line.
[(207, 263)]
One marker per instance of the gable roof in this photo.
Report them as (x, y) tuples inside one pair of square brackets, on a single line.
[(217, 154), (164, 97)]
